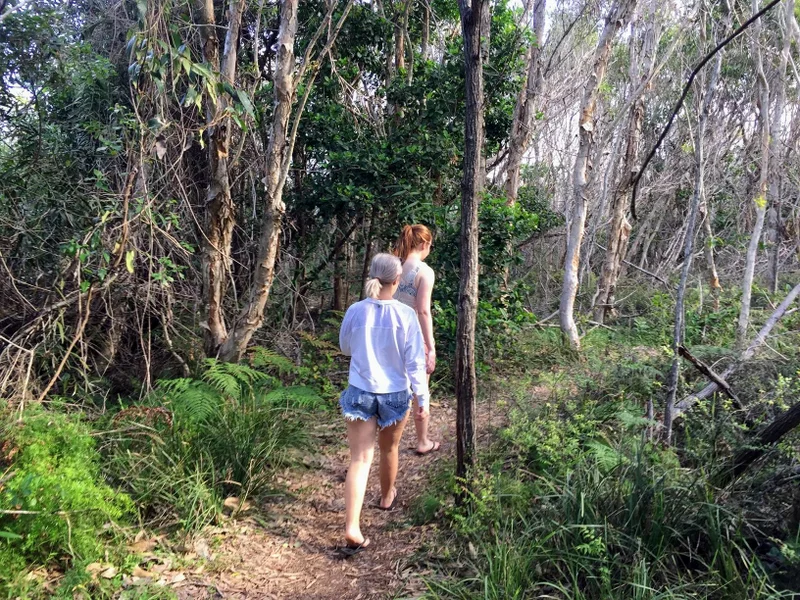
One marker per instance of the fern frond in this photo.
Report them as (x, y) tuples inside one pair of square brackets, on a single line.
[(319, 344), (166, 387), (235, 381), (263, 358), (295, 396), (607, 457), (198, 402)]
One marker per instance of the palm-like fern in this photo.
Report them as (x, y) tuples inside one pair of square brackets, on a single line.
[(263, 358), (232, 427), (295, 396)]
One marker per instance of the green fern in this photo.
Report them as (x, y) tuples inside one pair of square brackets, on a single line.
[(320, 344), (262, 358), (295, 396), (607, 457), (233, 380), (188, 399), (232, 429)]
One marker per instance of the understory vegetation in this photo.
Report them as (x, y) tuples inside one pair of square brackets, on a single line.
[(575, 498), (190, 197), (80, 481)]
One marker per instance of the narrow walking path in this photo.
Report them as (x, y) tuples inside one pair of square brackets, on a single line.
[(288, 549)]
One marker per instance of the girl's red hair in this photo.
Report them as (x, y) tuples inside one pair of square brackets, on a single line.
[(410, 238)]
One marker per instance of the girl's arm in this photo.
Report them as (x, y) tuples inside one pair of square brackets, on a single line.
[(424, 291), (414, 357), (345, 331)]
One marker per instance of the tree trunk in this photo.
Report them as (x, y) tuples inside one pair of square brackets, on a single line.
[(773, 215), (475, 26), (368, 251), (525, 111), (688, 249), (620, 228), (400, 35), (580, 175), (708, 250), (647, 231), (705, 209), (252, 315), (761, 198), (220, 211), (769, 436), (426, 30)]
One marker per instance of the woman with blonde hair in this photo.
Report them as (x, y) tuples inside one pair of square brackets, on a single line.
[(415, 289), (387, 358)]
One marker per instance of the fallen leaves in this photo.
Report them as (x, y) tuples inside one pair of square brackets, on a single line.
[(156, 571)]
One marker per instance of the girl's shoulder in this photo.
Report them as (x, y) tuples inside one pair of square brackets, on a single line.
[(425, 270)]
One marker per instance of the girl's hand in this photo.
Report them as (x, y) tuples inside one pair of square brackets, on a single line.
[(421, 412), (430, 361)]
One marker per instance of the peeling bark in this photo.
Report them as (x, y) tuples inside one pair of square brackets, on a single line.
[(525, 110), (615, 21), (284, 84), (220, 210), (620, 228)]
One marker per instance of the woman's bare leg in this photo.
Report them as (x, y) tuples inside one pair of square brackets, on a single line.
[(421, 426), (361, 437), (389, 443), (424, 444)]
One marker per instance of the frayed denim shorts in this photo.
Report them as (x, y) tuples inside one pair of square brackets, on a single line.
[(358, 405)]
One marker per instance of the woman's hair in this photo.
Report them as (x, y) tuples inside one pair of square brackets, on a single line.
[(411, 237), (384, 270)]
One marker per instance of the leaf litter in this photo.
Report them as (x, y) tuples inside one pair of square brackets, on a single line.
[(289, 549)]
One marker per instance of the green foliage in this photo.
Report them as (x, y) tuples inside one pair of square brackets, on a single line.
[(573, 500), (51, 474), (195, 440), (551, 438), (502, 300), (593, 510)]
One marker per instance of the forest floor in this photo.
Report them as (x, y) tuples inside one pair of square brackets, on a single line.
[(288, 547)]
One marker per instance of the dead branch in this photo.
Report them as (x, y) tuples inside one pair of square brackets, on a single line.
[(769, 436), (638, 268), (709, 372), (689, 401), (75, 339)]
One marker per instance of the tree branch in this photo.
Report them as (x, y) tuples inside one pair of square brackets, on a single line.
[(686, 88)]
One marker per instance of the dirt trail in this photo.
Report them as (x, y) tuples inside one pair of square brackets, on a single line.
[(289, 552)]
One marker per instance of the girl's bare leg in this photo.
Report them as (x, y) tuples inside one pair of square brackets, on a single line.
[(361, 437), (389, 443)]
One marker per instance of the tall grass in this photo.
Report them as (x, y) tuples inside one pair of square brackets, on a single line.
[(194, 441), (605, 514)]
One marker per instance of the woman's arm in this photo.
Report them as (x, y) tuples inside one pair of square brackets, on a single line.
[(345, 331), (424, 291), (414, 358)]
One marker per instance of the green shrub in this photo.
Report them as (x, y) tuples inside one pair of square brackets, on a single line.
[(52, 477), (586, 507), (194, 441)]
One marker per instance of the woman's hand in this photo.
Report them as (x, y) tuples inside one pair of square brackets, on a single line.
[(430, 361), (421, 412)]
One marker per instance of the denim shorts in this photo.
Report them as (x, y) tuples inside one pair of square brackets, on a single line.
[(358, 405)]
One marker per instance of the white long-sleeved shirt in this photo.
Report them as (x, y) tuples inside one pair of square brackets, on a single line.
[(386, 349)]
